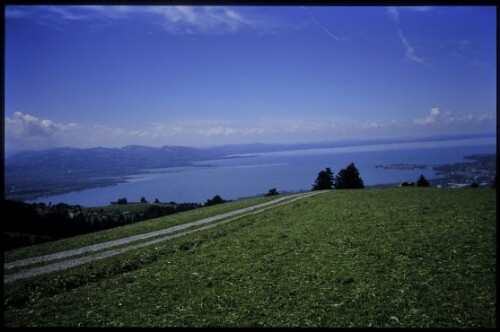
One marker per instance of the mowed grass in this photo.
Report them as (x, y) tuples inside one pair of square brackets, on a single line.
[(130, 229), (398, 257)]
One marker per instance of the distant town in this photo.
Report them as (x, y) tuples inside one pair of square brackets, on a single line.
[(479, 170), (402, 167)]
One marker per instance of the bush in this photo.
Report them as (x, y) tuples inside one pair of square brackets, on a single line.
[(215, 200), (272, 192)]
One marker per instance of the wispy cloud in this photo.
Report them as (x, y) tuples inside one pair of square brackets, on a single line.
[(394, 13), (17, 12), (174, 19), (110, 12), (420, 9), (321, 26), (194, 19), (410, 51), (67, 13)]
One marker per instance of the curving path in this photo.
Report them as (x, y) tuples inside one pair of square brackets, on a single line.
[(107, 246)]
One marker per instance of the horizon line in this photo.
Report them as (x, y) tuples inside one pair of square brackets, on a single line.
[(359, 141)]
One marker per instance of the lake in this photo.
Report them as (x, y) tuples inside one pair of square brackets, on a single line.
[(255, 174)]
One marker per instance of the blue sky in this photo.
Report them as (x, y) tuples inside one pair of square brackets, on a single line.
[(88, 76)]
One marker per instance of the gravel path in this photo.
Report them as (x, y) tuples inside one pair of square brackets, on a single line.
[(109, 244)]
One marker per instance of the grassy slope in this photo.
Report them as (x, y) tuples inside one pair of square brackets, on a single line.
[(401, 257), (130, 230), (130, 207)]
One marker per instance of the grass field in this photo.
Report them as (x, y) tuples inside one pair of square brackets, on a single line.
[(398, 257), (129, 230)]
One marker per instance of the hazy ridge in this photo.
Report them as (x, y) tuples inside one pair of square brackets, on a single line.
[(31, 174)]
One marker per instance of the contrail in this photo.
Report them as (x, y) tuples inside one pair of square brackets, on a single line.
[(320, 25), (410, 51)]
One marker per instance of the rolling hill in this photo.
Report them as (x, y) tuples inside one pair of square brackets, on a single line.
[(394, 257)]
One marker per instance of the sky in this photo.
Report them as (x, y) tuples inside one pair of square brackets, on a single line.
[(111, 76)]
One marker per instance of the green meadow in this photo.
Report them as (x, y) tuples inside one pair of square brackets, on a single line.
[(390, 257)]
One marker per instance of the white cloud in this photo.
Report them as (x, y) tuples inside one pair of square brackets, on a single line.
[(436, 117), (434, 113), (218, 131), (27, 125), (25, 131), (372, 125), (484, 117)]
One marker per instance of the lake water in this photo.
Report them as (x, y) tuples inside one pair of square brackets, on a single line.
[(255, 174)]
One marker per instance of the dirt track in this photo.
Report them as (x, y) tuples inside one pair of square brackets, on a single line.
[(65, 264)]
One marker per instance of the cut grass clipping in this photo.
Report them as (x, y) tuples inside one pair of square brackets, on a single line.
[(399, 257)]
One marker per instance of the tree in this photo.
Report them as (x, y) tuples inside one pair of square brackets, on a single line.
[(122, 201), (422, 181), (324, 180), (474, 184), (215, 200), (272, 192), (348, 178), (157, 201), (143, 199)]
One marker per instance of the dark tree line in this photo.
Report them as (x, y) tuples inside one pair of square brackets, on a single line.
[(272, 192), (215, 200), (26, 224), (422, 182)]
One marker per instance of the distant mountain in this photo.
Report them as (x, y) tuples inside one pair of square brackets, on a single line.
[(236, 149), (31, 174)]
